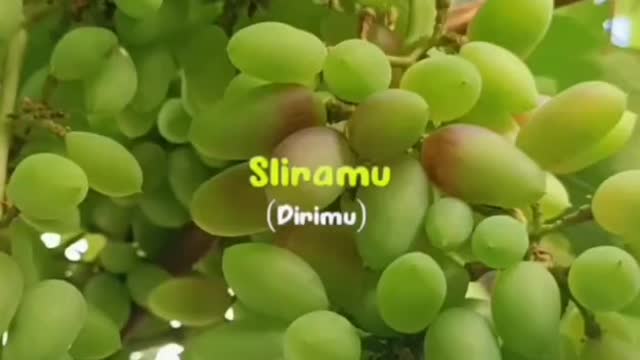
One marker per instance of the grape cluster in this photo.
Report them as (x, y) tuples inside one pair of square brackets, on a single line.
[(144, 174)]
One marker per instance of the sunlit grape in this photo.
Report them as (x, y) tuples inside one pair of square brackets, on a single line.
[(500, 241), (449, 223), (82, 52), (340, 341), (109, 90)]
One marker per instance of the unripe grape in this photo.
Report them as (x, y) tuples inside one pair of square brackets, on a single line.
[(133, 124), (28, 251), (387, 123), (162, 208), (82, 52), (143, 279), (158, 25), (99, 337), (500, 241), (12, 286), (277, 52), (45, 185), (422, 17), (444, 340), (356, 69), (109, 90), (241, 84), (616, 272), (156, 69), (186, 174), (616, 201), (517, 25), (11, 18), (454, 156), (153, 160), (118, 257), (138, 9), (574, 121), (526, 308), (174, 122), (411, 292), (610, 348), (261, 287), (109, 295), (450, 85), (555, 200), (334, 338), (449, 223)]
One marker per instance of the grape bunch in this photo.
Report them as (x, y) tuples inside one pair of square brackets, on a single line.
[(129, 219)]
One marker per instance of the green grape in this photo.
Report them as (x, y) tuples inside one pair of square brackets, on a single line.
[(421, 20), (277, 52), (11, 18), (186, 173), (526, 308), (151, 239), (449, 223), (281, 110), (246, 339), (241, 84), (387, 123), (163, 209), (139, 9), (615, 202), (194, 301), (610, 348), (227, 204), (441, 79), (65, 224), (153, 160), (444, 340), (44, 185), (104, 125), (162, 24), (82, 52), (110, 168), (555, 200), (610, 144), (411, 292), (616, 272), (110, 218), (174, 122), (69, 97), (54, 305), (118, 257), (28, 251), (455, 155), (105, 292), (12, 283), (457, 278), (365, 311), (395, 213), (332, 253), (143, 279), (156, 69), (356, 69), (203, 12), (307, 195), (334, 338), (109, 91), (98, 339), (574, 121), (500, 241), (284, 286), (212, 162), (518, 26), (133, 124), (515, 93)]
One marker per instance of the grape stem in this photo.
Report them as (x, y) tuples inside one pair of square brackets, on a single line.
[(10, 83), (580, 215)]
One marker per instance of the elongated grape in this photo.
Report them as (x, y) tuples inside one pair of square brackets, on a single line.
[(439, 80), (615, 270), (153, 160), (306, 194), (241, 84), (574, 120), (526, 308), (162, 24), (411, 292), (527, 22), (515, 93), (110, 168), (339, 340), (454, 156), (277, 52), (118, 257), (99, 337), (162, 208), (174, 122), (261, 288), (12, 284), (500, 241), (443, 340), (109, 295), (387, 123), (228, 205), (186, 174), (134, 124), (194, 301), (111, 89), (262, 118), (82, 52), (156, 69), (110, 218), (143, 279), (139, 9), (11, 18), (421, 20), (555, 200), (54, 305), (365, 311), (45, 185), (395, 213), (615, 202), (356, 69), (449, 223)]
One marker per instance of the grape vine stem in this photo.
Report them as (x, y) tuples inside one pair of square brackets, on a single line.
[(580, 215), (10, 83)]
